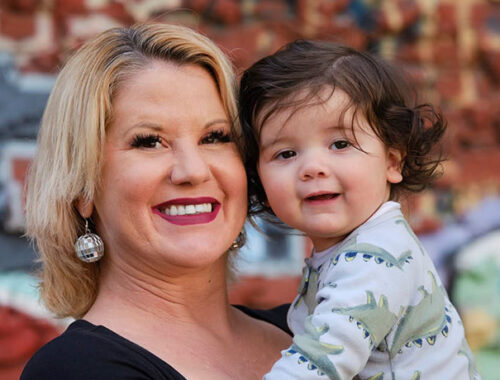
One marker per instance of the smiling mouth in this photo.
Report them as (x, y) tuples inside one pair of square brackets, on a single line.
[(188, 209), (322, 197)]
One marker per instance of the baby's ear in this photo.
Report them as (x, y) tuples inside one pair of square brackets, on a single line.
[(394, 161), (84, 207)]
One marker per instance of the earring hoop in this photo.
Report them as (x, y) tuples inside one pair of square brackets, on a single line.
[(89, 247), (239, 241)]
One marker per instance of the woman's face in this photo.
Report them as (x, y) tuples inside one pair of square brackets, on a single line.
[(173, 185)]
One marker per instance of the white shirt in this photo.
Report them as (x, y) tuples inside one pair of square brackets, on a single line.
[(373, 306)]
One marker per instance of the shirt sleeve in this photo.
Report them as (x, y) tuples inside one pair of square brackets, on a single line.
[(359, 300)]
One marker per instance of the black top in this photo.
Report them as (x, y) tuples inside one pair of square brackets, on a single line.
[(89, 352)]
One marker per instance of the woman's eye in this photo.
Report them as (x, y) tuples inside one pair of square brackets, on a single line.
[(341, 144), (147, 141), (216, 137), (286, 154)]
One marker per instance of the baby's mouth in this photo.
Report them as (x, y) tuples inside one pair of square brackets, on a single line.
[(322, 197)]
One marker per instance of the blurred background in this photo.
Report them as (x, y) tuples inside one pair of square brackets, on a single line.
[(450, 48)]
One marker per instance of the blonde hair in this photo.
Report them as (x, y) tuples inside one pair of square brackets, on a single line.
[(71, 138)]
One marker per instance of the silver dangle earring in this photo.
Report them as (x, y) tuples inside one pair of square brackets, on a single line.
[(89, 247), (239, 241)]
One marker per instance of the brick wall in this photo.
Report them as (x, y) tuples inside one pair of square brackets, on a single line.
[(451, 48), (21, 335)]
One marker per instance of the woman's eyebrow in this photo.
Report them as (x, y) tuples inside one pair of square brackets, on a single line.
[(145, 125), (216, 121), (158, 128)]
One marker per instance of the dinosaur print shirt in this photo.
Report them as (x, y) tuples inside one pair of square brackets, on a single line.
[(373, 307)]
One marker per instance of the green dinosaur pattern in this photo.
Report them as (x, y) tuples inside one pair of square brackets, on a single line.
[(383, 329), (367, 251), (430, 309), (412, 234), (375, 318), (466, 351), (309, 345), (308, 289), (416, 376), (377, 376)]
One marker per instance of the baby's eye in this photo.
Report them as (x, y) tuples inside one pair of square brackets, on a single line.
[(216, 137), (286, 154), (147, 141), (340, 144)]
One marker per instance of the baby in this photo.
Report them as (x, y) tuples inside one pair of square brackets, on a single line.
[(333, 137)]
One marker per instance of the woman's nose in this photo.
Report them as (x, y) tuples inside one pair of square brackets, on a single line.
[(190, 167), (313, 165)]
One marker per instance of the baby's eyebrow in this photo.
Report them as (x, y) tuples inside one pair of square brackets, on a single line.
[(280, 137), (337, 127), (270, 143)]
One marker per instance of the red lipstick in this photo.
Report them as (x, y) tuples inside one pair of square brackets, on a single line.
[(184, 220)]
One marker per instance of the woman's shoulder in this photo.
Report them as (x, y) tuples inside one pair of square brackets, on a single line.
[(87, 351)]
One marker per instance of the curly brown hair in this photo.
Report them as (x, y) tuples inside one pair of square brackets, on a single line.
[(377, 90)]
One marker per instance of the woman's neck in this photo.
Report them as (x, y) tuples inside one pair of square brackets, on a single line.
[(180, 296)]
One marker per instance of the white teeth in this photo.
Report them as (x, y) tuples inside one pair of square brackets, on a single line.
[(188, 209)]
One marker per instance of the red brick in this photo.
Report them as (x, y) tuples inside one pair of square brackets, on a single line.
[(17, 25), (240, 46), (243, 43), (445, 51), (18, 344), (45, 62), (446, 18), (418, 76), (64, 8), (347, 34), (328, 7), (317, 20), (225, 11), (409, 13), (489, 54), (264, 293), (484, 85), (198, 5), (479, 165), (21, 335), (409, 53), (118, 12), (479, 13), (270, 9), (448, 83), (20, 168), (20, 6)]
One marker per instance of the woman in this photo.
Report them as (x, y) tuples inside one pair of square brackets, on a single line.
[(139, 143)]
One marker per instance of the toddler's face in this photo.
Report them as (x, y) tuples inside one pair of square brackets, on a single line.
[(318, 177)]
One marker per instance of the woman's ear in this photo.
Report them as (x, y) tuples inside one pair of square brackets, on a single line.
[(84, 207), (394, 162)]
